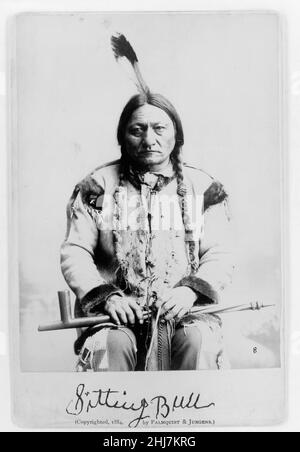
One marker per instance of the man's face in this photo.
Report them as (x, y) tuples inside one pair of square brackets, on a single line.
[(150, 136)]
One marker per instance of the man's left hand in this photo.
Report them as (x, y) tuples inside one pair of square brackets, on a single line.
[(176, 302)]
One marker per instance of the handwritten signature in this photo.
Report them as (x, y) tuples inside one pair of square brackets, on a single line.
[(85, 401)]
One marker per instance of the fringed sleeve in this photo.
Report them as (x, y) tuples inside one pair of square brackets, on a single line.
[(78, 251)]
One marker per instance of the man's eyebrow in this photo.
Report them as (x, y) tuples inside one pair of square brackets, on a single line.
[(136, 123), (143, 124)]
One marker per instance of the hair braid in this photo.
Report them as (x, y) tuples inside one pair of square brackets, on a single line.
[(122, 269), (182, 193)]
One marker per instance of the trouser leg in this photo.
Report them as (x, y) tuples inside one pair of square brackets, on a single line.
[(186, 348), (122, 350), (198, 346), (112, 350)]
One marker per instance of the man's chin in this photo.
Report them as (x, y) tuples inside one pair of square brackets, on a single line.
[(150, 160)]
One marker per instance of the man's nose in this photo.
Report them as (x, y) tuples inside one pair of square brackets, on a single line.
[(149, 138)]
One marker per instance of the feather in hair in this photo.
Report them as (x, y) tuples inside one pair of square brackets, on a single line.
[(122, 48)]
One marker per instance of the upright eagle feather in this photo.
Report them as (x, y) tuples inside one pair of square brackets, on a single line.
[(122, 48)]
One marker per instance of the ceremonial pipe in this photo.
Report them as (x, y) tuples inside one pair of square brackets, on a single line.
[(68, 322)]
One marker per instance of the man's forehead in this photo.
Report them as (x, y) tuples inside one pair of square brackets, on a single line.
[(149, 113)]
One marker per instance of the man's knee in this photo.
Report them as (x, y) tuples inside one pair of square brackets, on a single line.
[(202, 346), (121, 349), (121, 340), (186, 347), (109, 350), (190, 337)]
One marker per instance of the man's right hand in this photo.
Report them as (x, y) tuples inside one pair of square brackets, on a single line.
[(123, 310)]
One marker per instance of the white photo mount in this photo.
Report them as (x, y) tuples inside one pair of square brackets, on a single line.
[(66, 94)]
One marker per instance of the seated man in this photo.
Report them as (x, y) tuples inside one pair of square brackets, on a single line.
[(146, 243)]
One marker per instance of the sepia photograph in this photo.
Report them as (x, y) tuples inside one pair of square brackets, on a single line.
[(147, 201)]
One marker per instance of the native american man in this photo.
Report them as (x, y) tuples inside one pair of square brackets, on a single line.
[(147, 242)]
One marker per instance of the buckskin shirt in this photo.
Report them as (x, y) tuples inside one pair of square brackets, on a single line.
[(154, 250)]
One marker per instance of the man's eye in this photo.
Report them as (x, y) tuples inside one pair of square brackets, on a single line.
[(136, 131), (159, 129)]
